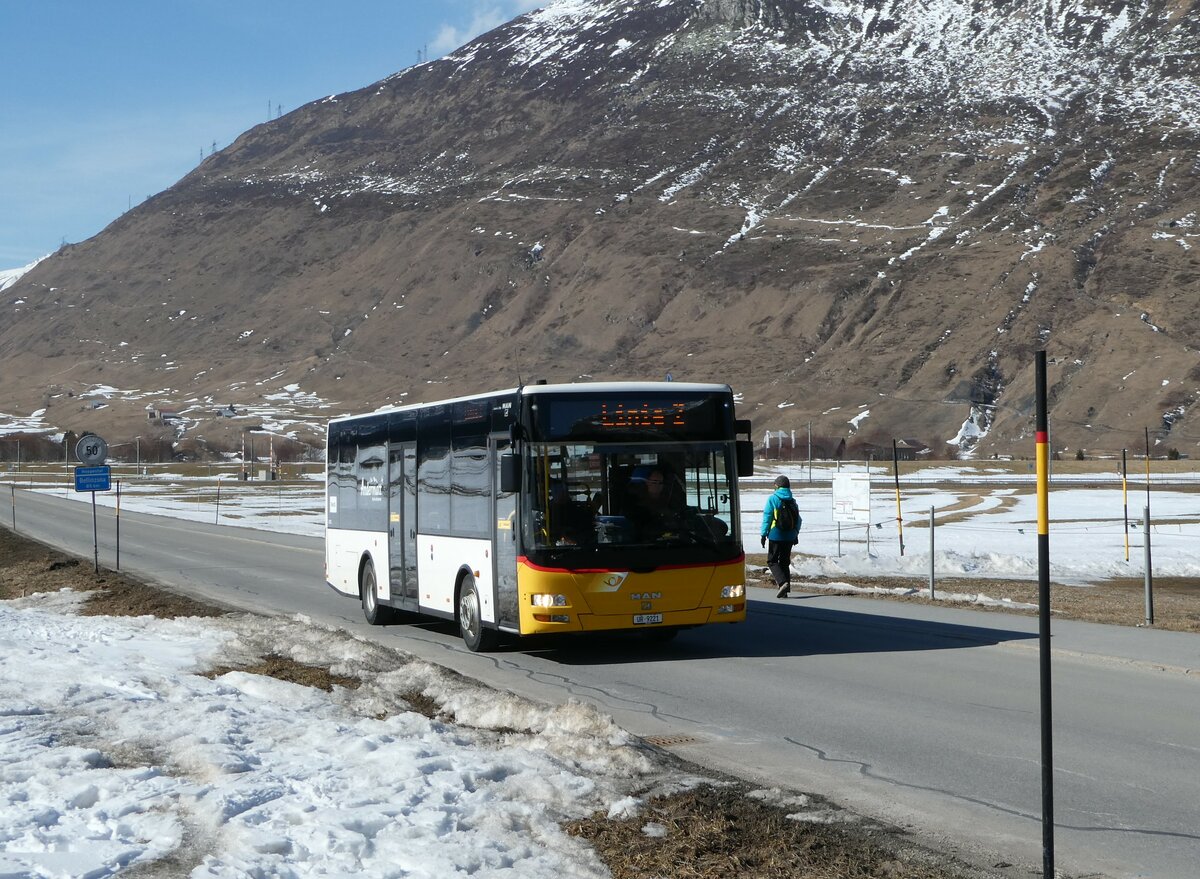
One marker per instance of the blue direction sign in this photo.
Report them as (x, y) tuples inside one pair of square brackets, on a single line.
[(93, 478)]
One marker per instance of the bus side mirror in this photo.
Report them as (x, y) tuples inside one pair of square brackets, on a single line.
[(745, 458), (510, 472)]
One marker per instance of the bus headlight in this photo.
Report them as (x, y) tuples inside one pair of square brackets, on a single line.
[(735, 591), (545, 599)]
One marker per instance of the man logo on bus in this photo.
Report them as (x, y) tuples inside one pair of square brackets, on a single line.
[(646, 596)]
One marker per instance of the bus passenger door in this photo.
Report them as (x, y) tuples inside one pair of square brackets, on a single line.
[(402, 525), (504, 539)]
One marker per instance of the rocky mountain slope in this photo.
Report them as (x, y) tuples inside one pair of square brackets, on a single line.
[(865, 215)]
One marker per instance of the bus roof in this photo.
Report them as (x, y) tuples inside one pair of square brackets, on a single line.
[(570, 387)]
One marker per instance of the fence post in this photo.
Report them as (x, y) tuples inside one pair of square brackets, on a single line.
[(1149, 574), (118, 525), (931, 579)]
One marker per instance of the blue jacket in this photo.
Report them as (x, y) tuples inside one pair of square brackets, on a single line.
[(769, 530)]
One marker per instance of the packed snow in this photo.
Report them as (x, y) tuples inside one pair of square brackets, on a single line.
[(128, 753)]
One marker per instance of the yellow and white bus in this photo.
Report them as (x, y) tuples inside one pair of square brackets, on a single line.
[(543, 508)]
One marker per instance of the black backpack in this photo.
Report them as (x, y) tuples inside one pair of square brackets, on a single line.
[(787, 515)]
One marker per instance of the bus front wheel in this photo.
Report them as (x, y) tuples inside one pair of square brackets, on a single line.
[(368, 590), (470, 619)]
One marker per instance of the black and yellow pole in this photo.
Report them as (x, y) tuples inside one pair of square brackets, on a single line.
[(1043, 529), (1125, 497)]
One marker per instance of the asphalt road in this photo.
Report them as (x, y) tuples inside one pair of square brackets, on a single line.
[(923, 716)]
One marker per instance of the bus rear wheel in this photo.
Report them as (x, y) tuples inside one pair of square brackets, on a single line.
[(470, 619), (368, 589)]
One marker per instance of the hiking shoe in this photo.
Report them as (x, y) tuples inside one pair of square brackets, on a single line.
[(783, 591)]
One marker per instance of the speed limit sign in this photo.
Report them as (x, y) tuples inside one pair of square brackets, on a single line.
[(91, 450)]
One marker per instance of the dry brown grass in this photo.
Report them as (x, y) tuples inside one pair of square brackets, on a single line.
[(27, 567), (287, 669), (712, 832)]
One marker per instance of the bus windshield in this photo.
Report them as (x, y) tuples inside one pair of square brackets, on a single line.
[(588, 503)]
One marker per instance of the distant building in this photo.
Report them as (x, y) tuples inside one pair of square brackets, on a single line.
[(911, 449), (776, 440), (905, 450)]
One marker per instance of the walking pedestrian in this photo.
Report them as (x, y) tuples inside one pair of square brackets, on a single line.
[(780, 532)]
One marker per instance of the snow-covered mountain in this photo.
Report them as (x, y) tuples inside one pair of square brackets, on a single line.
[(838, 206), (8, 277)]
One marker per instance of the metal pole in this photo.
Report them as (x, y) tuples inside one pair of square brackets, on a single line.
[(95, 537), (1147, 468), (217, 515), (931, 579), (14, 506), (899, 515), (868, 506), (118, 524), (1043, 462), (810, 453), (839, 540), (1125, 496), (1149, 571)]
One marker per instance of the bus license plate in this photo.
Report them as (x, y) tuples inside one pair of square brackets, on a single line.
[(641, 619)]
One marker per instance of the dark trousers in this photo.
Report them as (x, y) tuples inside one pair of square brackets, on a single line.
[(779, 560)]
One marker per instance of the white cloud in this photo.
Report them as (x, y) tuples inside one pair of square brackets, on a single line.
[(480, 17)]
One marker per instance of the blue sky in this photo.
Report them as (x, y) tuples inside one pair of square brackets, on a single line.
[(105, 102)]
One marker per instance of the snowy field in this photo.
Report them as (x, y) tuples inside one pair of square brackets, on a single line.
[(986, 526), (985, 522)]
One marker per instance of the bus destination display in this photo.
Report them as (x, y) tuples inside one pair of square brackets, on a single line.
[(700, 417)]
